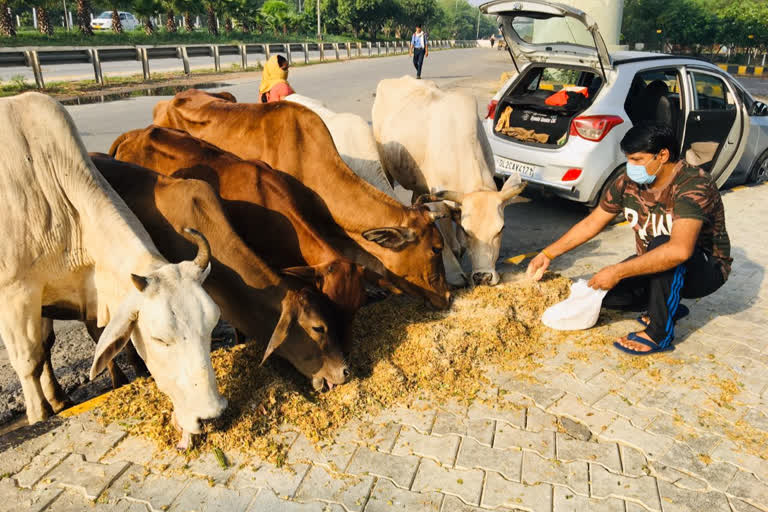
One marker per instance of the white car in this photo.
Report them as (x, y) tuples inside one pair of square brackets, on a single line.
[(104, 21), (559, 120)]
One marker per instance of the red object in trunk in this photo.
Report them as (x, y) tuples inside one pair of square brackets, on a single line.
[(594, 128), (492, 109)]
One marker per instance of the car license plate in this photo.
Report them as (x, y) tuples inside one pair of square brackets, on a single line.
[(507, 166)]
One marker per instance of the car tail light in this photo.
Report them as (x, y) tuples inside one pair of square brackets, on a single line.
[(594, 128), (492, 109), (571, 175)]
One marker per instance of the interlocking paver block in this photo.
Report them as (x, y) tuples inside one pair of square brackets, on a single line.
[(71, 501), (727, 451), (487, 411), (624, 432), (138, 485), (570, 406), (388, 498), (464, 483), (474, 455), (283, 481), (91, 478), (449, 423), (37, 468), (749, 489), (266, 501), (508, 437), (14, 459), (454, 504), (639, 416), (743, 506), (201, 496), (440, 448), (573, 475), (481, 430), (674, 427), (609, 485), (16, 500), (141, 451), (89, 442), (206, 466), (537, 420), (717, 474), (419, 416), (675, 499), (320, 485), (633, 462), (336, 456), (566, 500), (605, 454), (503, 493), (399, 469)]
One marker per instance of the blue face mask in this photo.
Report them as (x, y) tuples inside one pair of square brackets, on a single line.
[(639, 174)]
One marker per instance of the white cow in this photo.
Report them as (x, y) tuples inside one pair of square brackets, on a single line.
[(432, 142), (70, 243), (354, 141)]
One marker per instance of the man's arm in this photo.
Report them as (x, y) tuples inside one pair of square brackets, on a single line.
[(582, 232), (679, 249), (426, 46)]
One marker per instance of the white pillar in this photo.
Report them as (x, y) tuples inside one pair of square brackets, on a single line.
[(197, 21), (763, 64), (18, 21), (34, 17), (218, 25), (69, 13)]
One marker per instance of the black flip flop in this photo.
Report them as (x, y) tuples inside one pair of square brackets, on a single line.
[(682, 312)]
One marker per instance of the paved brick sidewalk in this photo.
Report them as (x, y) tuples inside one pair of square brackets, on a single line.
[(591, 430)]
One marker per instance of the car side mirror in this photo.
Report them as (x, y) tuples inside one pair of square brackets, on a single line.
[(759, 109)]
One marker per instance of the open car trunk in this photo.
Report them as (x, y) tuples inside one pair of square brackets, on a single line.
[(539, 108)]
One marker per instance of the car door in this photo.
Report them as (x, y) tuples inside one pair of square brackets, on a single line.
[(716, 122)]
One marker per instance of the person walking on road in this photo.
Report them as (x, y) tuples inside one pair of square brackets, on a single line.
[(419, 49), (682, 246)]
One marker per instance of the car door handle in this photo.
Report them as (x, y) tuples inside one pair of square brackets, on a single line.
[(696, 117)]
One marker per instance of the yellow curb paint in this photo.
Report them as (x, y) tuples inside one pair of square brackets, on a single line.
[(739, 187), (85, 406)]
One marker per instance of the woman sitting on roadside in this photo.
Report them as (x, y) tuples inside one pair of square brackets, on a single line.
[(274, 81)]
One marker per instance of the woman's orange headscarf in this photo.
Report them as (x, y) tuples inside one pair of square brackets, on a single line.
[(273, 75)]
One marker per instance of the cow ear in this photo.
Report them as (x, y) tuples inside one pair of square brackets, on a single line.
[(280, 333), (511, 189), (308, 274), (115, 336), (391, 238)]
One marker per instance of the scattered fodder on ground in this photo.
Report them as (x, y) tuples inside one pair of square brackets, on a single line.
[(403, 350)]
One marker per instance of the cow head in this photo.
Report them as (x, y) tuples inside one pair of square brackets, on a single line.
[(414, 262), (307, 336), (340, 280), (480, 216), (169, 318)]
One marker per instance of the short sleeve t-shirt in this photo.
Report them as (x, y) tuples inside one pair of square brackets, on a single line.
[(691, 195)]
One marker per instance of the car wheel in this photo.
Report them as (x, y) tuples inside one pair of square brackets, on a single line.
[(759, 172), (613, 177)]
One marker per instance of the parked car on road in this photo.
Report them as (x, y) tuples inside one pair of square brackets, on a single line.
[(104, 21), (569, 144)]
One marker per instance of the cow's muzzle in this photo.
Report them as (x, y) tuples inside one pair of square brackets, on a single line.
[(485, 278)]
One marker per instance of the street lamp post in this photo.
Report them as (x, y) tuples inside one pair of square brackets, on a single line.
[(477, 33), (319, 32), (661, 41)]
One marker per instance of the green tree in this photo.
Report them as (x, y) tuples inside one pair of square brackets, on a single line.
[(84, 17), (145, 9), (43, 20), (276, 14), (7, 27)]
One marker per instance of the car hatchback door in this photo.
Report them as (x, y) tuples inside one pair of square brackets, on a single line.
[(540, 31), (716, 126)]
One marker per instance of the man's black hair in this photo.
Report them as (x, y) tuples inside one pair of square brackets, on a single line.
[(651, 138)]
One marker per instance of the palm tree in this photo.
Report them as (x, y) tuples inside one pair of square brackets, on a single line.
[(84, 17), (210, 11), (7, 27), (145, 10), (43, 21), (170, 13)]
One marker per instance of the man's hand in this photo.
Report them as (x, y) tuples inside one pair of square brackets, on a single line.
[(426, 53), (537, 267), (606, 279)]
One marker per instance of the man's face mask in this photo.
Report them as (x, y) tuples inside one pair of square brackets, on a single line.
[(639, 174)]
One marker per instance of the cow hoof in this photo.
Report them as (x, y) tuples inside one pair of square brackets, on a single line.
[(60, 405), (185, 443)]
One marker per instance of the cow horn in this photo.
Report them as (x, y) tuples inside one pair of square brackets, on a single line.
[(203, 248), (438, 215), (426, 198)]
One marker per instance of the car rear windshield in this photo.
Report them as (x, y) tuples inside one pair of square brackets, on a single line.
[(104, 15), (541, 29)]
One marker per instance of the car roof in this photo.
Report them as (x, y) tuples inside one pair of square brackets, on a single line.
[(627, 57)]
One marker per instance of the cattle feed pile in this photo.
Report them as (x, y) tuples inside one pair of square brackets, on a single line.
[(402, 351)]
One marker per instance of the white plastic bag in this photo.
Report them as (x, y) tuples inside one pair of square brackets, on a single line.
[(579, 311)]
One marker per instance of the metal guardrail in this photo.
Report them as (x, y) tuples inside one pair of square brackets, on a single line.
[(36, 58)]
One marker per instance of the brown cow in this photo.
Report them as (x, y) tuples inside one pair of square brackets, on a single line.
[(251, 296), (400, 243), (259, 204)]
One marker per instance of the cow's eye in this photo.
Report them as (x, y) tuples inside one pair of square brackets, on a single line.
[(161, 341), (437, 250), (319, 329)]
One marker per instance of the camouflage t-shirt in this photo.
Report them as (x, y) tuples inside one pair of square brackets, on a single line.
[(691, 195)]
